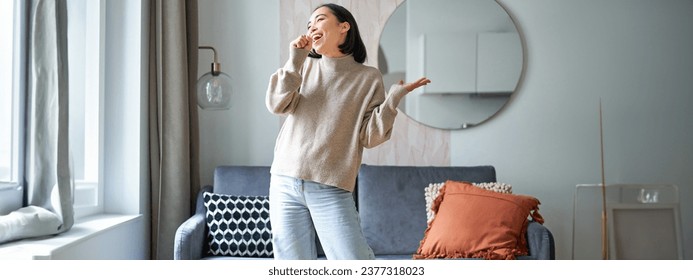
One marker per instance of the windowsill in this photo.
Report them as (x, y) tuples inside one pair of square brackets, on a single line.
[(81, 231)]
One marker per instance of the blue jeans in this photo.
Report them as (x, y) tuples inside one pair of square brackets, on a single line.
[(299, 209)]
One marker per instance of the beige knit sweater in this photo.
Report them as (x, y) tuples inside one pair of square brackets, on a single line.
[(334, 108)]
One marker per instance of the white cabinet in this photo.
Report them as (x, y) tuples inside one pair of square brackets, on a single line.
[(500, 62), (471, 63), (450, 62)]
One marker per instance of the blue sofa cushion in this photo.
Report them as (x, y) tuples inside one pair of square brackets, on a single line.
[(242, 180), (238, 225)]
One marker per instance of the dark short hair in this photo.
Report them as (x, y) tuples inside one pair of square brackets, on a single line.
[(352, 44)]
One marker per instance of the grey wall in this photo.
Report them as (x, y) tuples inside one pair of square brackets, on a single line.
[(634, 55)]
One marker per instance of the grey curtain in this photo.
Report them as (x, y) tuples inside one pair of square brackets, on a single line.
[(49, 184), (173, 122)]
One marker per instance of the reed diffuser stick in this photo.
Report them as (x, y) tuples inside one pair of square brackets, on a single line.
[(605, 250)]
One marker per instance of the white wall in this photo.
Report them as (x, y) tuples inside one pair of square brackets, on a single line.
[(126, 92), (633, 54), (246, 36)]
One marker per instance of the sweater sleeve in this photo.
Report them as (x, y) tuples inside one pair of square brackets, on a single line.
[(282, 92), (376, 127)]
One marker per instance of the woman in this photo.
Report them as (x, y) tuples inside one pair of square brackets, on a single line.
[(334, 107)]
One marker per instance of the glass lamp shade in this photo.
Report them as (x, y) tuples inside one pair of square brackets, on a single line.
[(214, 91)]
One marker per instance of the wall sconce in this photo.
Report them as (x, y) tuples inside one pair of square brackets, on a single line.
[(214, 87)]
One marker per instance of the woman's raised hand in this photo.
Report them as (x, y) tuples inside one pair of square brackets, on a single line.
[(302, 42), (416, 84)]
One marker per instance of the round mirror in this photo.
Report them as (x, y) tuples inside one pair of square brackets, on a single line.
[(471, 51)]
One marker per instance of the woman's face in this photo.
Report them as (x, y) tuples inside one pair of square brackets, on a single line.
[(327, 32)]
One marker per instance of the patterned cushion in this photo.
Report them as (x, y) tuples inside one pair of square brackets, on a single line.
[(238, 225), (431, 193)]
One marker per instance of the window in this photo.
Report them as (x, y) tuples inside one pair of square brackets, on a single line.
[(85, 60), (6, 108), (11, 77), (85, 56)]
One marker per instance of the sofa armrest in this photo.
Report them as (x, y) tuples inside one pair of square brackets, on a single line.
[(190, 239), (540, 242), (200, 202)]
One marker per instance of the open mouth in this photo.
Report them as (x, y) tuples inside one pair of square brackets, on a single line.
[(316, 37)]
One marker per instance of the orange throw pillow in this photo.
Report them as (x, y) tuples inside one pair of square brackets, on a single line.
[(471, 222)]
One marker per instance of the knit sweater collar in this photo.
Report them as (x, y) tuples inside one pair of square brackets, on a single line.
[(338, 64)]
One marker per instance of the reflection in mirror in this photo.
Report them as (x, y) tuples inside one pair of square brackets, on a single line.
[(470, 49)]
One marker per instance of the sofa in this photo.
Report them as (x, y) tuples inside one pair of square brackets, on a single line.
[(390, 200)]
